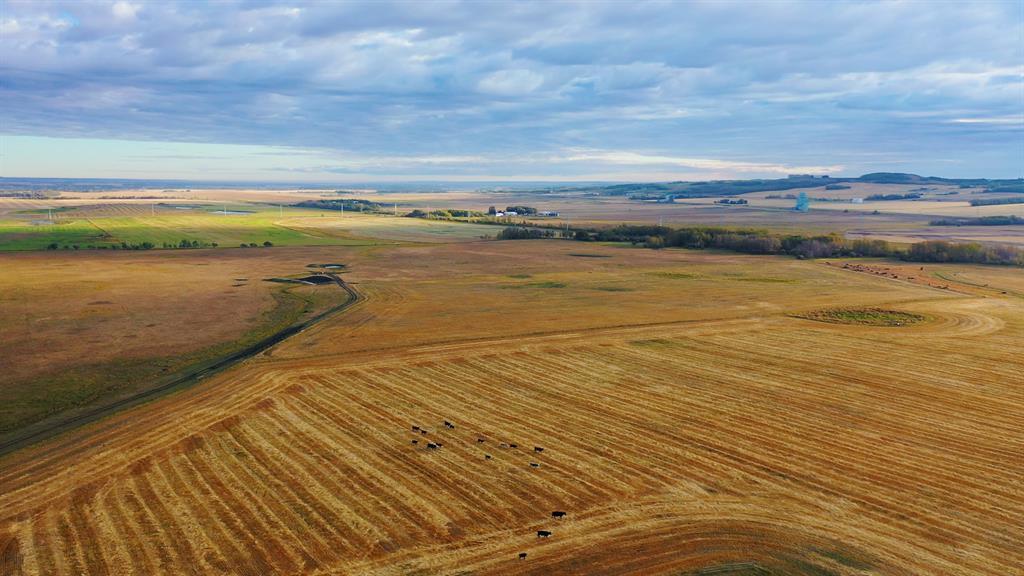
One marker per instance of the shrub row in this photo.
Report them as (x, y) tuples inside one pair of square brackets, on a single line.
[(996, 201), (800, 246)]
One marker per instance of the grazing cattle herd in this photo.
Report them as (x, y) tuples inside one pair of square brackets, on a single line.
[(558, 514)]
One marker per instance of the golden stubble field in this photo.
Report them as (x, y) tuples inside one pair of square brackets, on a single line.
[(688, 423)]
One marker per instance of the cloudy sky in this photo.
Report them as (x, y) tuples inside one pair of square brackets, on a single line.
[(352, 91)]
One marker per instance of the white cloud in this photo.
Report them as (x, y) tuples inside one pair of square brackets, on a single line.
[(629, 158), (1012, 120), (9, 26), (514, 82), (671, 87), (124, 10)]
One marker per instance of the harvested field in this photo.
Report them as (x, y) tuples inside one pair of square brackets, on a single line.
[(1012, 235), (714, 435)]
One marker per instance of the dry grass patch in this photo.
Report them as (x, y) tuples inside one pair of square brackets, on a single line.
[(78, 329)]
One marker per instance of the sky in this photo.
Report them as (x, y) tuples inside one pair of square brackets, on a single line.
[(509, 91)]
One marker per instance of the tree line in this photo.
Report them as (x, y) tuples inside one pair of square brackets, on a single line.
[(996, 201), (447, 214), (983, 221), (797, 245), (523, 233), (350, 204), (184, 243), (890, 197)]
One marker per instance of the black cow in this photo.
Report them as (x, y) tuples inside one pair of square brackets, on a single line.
[(543, 533), (433, 446), (415, 441), (487, 456), (449, 425), (415, 428), (534, 465), (424, 432), (522, 555), (538, 449), (481, 440), (513, 445), (558, 514)]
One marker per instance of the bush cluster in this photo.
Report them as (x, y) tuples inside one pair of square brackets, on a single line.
[(996, 201), (983, 221), (887, 197), (350, 204), (522, 233), (448, 214)]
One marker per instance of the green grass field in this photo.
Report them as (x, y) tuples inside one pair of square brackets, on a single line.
[(865, 316), (258, 224)]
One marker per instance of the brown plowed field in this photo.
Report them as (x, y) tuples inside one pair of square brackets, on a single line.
[(678, 437)]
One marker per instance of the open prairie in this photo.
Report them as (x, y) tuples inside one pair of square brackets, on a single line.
[(901, 221), (161, 216), (692, 420), (74, 224), (511, 287), (81, 329)]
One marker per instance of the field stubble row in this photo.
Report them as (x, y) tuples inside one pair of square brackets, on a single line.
[(758, 451), (750, 439)]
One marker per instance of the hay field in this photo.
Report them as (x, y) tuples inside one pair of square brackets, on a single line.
[(26, 225), (692, 425), (1012, 235), (82, 328), (933, 208), (430, 294), (88, 219), (610, 210), (895, 221)]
